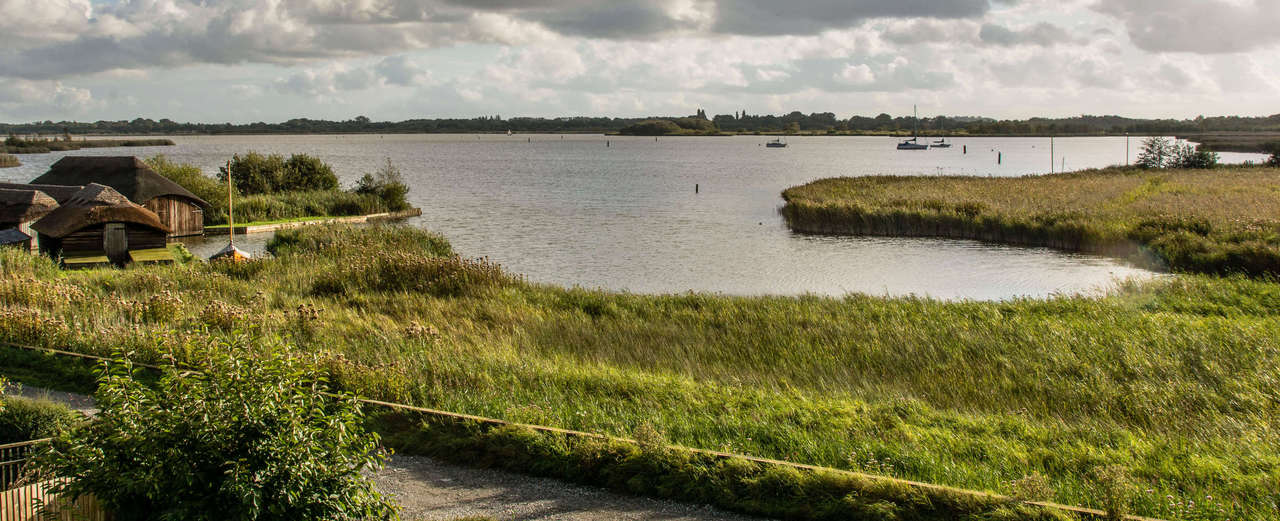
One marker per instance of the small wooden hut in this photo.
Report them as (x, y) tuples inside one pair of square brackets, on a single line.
[(99, 225), (179, 209), (20, 208)]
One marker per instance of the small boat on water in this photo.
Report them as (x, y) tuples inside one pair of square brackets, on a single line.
[(941, 143), (912, 144), (777, 143)]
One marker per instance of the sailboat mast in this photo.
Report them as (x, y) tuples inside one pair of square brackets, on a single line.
[(915, 122), (231, 214)]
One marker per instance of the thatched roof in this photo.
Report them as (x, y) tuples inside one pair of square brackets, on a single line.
[(95, 204), (59, 193), (12, 236), (127, 174), (19, 206)]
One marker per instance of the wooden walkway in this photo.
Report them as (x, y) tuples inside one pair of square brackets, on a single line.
[(353, 219)]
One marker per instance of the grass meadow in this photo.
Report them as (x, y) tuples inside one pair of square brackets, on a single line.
[(1224, 220), (1172, 379)]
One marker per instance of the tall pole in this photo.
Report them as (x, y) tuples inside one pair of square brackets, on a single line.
[(1051, 160), (1126, 149), (231, 214)]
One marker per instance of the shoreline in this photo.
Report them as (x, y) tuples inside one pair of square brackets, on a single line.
[(223, 229)]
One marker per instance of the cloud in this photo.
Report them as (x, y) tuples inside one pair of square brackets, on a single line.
[(771, 17), (400, 70), (1197, 26), (1043, 34), (34, 99)]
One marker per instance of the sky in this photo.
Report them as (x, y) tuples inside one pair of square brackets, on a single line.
[(271, 60)]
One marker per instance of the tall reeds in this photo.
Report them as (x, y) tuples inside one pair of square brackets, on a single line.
[(1209, 221), (1172, 379)]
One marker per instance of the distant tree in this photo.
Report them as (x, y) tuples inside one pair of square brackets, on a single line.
[(1156, 152), (651, 127)]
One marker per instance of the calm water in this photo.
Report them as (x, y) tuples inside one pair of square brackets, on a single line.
[(570, 210)]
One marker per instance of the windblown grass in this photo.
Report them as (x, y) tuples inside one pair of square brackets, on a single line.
[(1210, 221), (1173, 379)]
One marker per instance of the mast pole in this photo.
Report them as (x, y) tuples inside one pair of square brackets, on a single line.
[(231, 214)]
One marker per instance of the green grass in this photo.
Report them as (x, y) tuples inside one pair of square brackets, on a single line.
[(273, 221), (1173, 379), (1224, 220), (24, 419), (42, 146)]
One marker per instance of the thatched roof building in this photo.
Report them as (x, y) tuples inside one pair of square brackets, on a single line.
[(59, 193), (93, 205), (23, 206), (181, 211), (97, 225), (126, 174)]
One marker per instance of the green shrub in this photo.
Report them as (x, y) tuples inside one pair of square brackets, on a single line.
[(1155, 153), (304, 172), (23, 419), (254, 173), (388, 185), (248, 437)]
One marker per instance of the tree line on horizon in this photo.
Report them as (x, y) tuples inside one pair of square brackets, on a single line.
[(739, 121)]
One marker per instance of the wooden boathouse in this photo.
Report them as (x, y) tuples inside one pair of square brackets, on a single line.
[(99, 226), (180, 211)]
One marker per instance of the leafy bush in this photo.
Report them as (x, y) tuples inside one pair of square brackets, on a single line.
[(1274, 150), (388, 185), (304, 172), (254, 173), (1155, 152), (247, 437), (23, 419), (1190, 156)]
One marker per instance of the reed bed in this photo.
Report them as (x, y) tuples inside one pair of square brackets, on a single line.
[(42, 146), (1172, 379), (1224, 220), (9, 161)]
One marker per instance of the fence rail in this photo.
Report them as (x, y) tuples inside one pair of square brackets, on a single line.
[(27, 496)]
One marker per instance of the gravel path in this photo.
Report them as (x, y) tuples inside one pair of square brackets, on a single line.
[(79, 402), (430, 490)]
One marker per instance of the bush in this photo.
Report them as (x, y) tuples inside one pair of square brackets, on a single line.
[(23, 419), (1155, 153), (248, 436), (388, 185), (254, 173), (1190, 156), (304, 172), (1274, 149)]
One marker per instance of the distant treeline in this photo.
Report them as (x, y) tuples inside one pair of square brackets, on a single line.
[(739, 121)]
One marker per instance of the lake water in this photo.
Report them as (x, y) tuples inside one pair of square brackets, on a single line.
[(621, 212)]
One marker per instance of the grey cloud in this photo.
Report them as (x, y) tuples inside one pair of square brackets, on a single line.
[(930, 31), (1043, 34), (771, 17), (1197, 26), (398, 70)]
